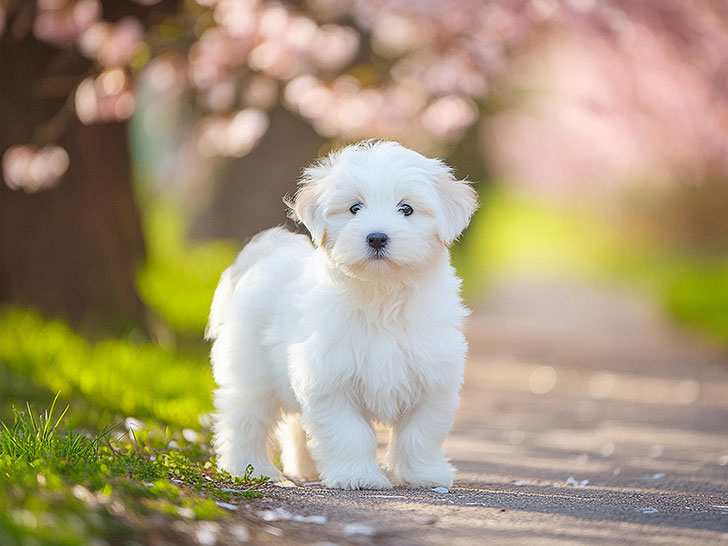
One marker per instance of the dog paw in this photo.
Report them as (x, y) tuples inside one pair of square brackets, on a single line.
[(357, 478), (440, 474)]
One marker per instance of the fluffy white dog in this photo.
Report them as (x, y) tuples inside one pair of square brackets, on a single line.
[(364, 325)]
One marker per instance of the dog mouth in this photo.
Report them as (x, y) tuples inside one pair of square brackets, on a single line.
[(379, 255)]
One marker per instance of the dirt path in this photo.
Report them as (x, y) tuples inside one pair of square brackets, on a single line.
[(564, 384)]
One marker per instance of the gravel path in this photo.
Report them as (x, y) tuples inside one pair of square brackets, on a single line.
[(584, 419)]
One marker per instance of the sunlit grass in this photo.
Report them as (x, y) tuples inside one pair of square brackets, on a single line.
[(69, 488), (31, 438), (141, 380)]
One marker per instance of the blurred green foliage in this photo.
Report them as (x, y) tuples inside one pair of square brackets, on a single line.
[(139, 379), (178, 279), (517, 233), (696, 292)]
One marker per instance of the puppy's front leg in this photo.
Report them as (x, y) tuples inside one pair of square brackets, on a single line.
[(343, 444), (415, 456)]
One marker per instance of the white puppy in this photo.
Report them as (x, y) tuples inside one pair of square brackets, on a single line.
[(364, 325)]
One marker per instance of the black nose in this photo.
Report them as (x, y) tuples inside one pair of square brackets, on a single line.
[(377, 240)]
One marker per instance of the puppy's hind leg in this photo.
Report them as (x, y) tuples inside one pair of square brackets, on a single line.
[(295, 456), (243, 423)]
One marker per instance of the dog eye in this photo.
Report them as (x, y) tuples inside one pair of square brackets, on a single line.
[(406, 210), (356, 207)]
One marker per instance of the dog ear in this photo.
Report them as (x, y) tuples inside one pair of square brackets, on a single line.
[(306, 206), (458, 200)]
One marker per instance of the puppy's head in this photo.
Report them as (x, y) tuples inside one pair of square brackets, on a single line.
[(377, 208)]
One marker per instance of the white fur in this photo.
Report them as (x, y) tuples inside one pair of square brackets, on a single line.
[(328, 339)]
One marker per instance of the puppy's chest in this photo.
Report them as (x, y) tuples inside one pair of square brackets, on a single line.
[(392, 368)]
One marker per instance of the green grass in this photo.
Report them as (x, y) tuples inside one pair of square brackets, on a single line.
[(31, 439), (72, 488)]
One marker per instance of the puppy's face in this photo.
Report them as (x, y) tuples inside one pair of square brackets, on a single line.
[(378, 209)]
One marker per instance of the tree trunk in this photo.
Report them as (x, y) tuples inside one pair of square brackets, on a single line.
[(71, 250), (248, 197)]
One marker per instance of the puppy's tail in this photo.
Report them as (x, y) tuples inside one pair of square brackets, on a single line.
[(223, 293)]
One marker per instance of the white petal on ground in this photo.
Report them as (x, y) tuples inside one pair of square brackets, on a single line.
[(359, 529), (283, 514)]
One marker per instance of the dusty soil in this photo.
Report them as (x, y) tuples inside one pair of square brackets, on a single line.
[(584, 419)]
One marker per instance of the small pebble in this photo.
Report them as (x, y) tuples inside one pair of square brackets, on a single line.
[(649, 510), (440, 489)]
